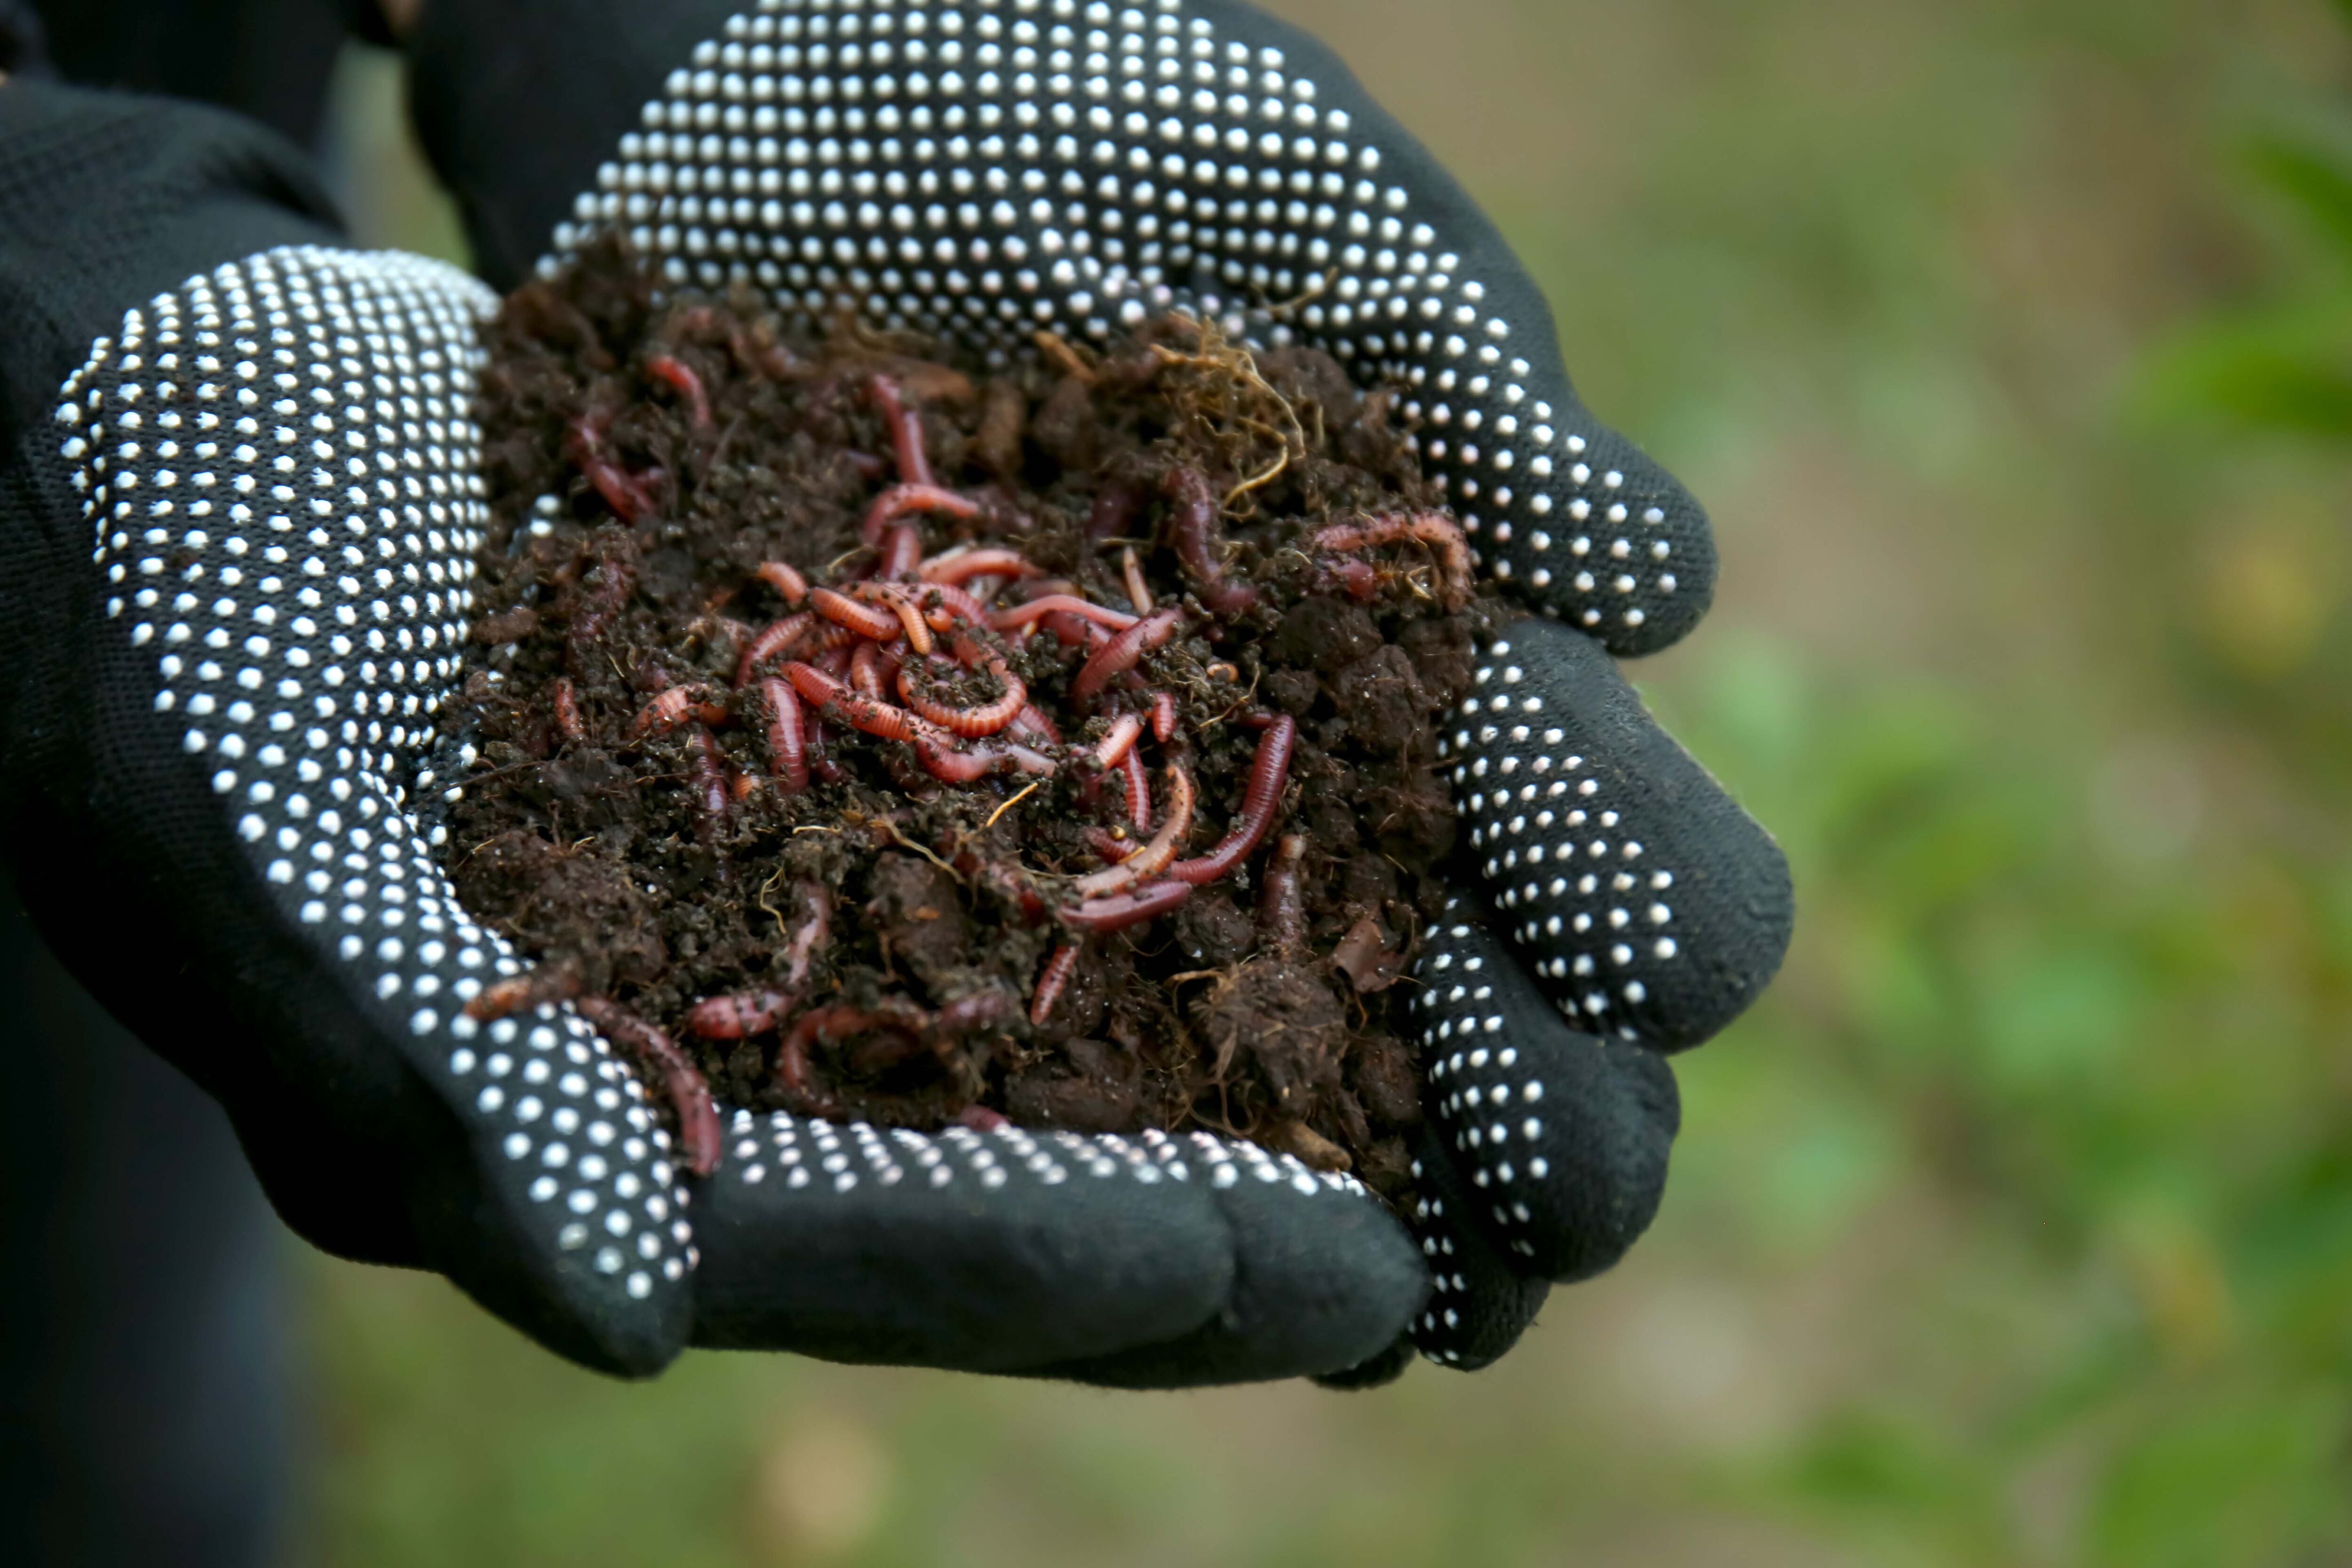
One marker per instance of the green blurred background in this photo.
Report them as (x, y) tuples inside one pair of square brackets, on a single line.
[(2010, 343)]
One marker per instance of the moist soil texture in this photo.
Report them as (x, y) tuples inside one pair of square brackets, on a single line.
[(866, 732)]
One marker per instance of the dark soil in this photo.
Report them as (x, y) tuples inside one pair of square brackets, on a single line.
[(903, 924)]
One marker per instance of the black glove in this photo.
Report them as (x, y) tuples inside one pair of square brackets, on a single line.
[(976, 171), (335, 1039)]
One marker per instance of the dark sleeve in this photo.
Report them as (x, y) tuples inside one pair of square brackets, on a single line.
[(516, 141)]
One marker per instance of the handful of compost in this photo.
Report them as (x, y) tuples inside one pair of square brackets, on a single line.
[(868, 738)]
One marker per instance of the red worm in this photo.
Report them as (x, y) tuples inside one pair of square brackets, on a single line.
[(881, 719), (1200, 542), (1069, 603), (784, 579), (709, 780), (872, 669), (1119, 654), (628, 494), (787, 737), (919, 495), (616, 577), (1131, 571), (548, 983), (1057, 973), (1163, 717), (1268, 772), (963, 565), (1114, 507), (865, 620), (961, 1017), (734, 1017), (1360, 579), (1072, 632), (1154, 857), (567, 711), (830, 1023), (816, 929), (902, 552), (1119, 742), (980, 1118), (1029, 722), (679, 375), (698, 1114), (971, 722), (1120, 910), (899, 600), (1281, 910), (906, 427), (944, 605), (967, 765), (673, 708), (1103, 842), (1439, 533), (867, 465), (784, 636), (1139, 790)]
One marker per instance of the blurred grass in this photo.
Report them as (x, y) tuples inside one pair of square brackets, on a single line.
[(2012, 342)]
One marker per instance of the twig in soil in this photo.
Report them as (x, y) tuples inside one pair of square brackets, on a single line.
[(1065, 359), (1031, 787)]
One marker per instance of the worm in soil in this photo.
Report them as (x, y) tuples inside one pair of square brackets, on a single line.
[(1440, 534), (1057, 972), (679, 377), (1267, 772), (1200, 543), (1155, 856), (1120, 910), (689, 1095), (1119, 654), (787, 736)]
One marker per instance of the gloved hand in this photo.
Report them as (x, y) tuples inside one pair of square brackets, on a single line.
[(228, 714)]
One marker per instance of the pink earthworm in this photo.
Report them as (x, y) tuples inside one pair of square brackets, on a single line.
[(1119, 910), (1154, 857), (1119, 654), (1440, 533), (1066, 604), (1199, 541), (787, 737), (1057, 972), (689, 1095), (921, 496), (1268, 772)]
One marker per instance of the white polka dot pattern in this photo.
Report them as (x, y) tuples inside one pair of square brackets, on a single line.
[(280, 465), (1572, 881), (824, 1156), (980, 169)]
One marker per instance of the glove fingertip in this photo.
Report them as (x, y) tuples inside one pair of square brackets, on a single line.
[(1562, 1138)]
